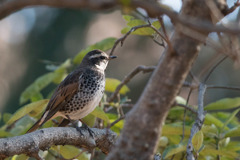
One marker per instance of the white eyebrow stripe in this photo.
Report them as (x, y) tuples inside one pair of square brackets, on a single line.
[(95, 56)]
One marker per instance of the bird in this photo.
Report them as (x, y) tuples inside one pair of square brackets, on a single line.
[(79, 93)]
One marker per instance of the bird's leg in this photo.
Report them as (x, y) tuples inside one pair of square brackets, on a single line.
[(75, 125), (64, 122), (86, 127)]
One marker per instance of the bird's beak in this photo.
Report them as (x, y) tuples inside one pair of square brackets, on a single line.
[(112, 57)]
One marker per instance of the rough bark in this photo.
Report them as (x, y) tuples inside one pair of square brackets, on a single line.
[(143, 124), (43, 139)]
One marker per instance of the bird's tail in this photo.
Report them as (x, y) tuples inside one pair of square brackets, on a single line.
[(35, 126)]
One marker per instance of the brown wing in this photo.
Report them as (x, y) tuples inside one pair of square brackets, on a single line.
[(59, 99)]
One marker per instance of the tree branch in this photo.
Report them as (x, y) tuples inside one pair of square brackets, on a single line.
[(43, 139), (8, 7), (199, 121), (138, 69)]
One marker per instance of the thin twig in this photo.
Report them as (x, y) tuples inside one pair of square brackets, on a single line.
[(122, 39), (187, 108), (138, 69), (214, 67), (198, 122), (233, 8), (223, 87), (165, 32), (116, 121)]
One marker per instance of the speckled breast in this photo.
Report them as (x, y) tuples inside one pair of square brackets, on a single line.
[(90, 92)]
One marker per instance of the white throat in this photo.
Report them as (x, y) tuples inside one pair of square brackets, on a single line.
[(102, 66)]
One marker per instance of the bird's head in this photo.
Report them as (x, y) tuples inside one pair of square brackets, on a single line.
[(97, 59)]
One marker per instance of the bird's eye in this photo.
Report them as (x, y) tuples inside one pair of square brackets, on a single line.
[(102, 57)]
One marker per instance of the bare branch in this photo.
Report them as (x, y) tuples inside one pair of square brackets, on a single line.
[(223, 87), (153, 9), (43, 139), (116, 121), (214, 67), (199, 121), (122, 39), (138, 69), (186, 107), (233, 8)]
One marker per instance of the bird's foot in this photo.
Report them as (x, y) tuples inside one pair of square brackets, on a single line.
[(79, 129)]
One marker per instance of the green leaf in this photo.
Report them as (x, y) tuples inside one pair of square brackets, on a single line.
[(210, 130), (226, 103), (20, 157), (175, 129), (68, 152), (33, 109), (111, 85), (104, 45), (118, 126), (132, 22), (38, 96), (89, 120), (210, 119), (4, 134), (235, 132), (174, 149), (156, 24), (61, 71), (36, 87), (6, 117), (128, 18), (197, 140), (212, 151), (230, 118), (22, 125), (99, 113)]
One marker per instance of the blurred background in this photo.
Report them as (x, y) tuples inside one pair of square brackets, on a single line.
[(33, 35)]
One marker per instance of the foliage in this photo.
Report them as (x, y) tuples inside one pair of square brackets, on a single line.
[(218, 136)]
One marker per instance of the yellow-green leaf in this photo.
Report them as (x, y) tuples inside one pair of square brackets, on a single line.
[(235, 132), (20, 157), (174, 149), (36, 86), (38, 96), (6, 117), (156, 24), (111, 85), (197, 140), (61, 71), (175, 129), (104, 45), (226, 103), (99, 113), (128, 18), (69, 152), (212, 151), (32, 109), (210, 119), (230, 118), (89, 120)]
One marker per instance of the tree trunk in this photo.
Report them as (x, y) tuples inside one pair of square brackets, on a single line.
[(143, 124)]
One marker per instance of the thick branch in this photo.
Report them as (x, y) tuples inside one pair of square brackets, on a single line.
[(43, 139), (154, 10)]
